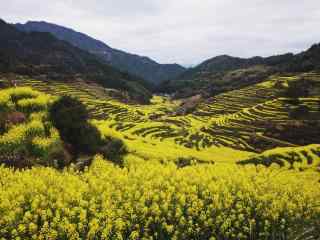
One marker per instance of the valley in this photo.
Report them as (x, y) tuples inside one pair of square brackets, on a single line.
[(117, 146)]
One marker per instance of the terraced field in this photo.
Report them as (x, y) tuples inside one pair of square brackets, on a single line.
[(300, 158), (239, 119)]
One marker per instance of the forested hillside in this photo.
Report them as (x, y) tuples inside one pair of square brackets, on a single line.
[(143, 67), (224, 73), (42, 55)]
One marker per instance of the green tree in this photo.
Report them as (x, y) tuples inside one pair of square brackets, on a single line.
[(298, 88), (70, 117)]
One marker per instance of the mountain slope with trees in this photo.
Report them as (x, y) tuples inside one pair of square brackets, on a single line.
[(224, 73), (42, 55), (143, 67)]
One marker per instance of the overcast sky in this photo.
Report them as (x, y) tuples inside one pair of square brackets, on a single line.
[(182, 31)]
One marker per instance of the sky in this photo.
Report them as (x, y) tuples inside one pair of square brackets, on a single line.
[(182, 31)]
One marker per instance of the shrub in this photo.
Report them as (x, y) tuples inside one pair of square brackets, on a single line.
[(113, 150), (17, 158), (185, 162), (298, 88), (5, 100), (87, 138), (18, 136), (58, 157), (300, 112), (41, 146), (70, 116), (68, 111)]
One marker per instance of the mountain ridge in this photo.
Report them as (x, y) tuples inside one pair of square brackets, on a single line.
[(219, 73), (140, 66), (40, 53)]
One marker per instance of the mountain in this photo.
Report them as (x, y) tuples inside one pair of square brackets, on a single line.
[(225, 63), (143, 67), (42, 54), (224, 73)]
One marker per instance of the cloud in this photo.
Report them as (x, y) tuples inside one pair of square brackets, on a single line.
[(186, 32)]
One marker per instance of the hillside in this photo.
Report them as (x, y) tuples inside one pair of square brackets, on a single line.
[(42, 55), (143, 67), (228, 163), (233, 154), (253, 119), (225, 73), (232, 147)]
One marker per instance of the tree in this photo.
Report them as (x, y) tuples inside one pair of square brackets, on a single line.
[(300, 112), (298, 88), (70, 117), (67, 111)]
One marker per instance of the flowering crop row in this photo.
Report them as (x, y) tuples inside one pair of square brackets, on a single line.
[(157, 201), (35, 135)]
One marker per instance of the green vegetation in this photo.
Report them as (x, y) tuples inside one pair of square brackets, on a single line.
[(32, 123), (143, 67), (226, 73), (70, 117)]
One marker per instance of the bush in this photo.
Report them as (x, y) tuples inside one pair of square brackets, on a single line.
[(68, 111), (301, 112), (87, 138), (70, 117), (58, 157), (18, 158), (19, 136), (30, 105), (182, 162), (113, 150), (298, 88)]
